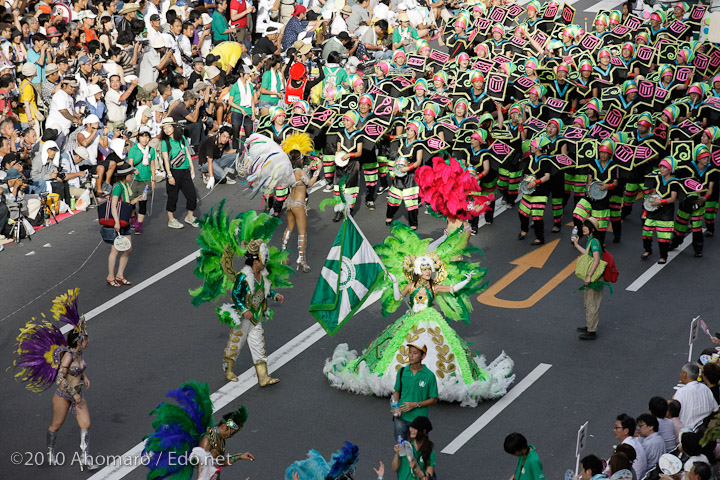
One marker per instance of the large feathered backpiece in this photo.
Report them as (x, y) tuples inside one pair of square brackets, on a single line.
[(265, 165), (315, 467), (451, 190), (221, 240), (399, 251), (178, 429), (41, 344)]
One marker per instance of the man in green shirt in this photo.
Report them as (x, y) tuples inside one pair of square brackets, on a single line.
[(528, 466), (415, 390)]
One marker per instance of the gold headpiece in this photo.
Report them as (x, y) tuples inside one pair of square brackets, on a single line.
[(431, 258)]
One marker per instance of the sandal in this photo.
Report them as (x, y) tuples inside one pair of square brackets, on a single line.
[(123, 281), (662, 261), (522, 235), (645, 255), (555, 230), (113, 283), (537, 241)]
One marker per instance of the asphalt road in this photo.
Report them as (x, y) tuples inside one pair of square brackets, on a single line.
[(153, 341)]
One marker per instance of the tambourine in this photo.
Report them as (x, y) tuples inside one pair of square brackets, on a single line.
[(594, 191), (400, 163), (528, 185), (122, 243), (339, 161), (647, 203)]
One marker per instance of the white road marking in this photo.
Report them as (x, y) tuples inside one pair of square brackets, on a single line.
[(226, 394), (653, 270), (136, 288), (317, 186), (495, 410), (500, 208)]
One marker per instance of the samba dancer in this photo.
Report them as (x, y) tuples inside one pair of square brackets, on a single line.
[(46, 357)]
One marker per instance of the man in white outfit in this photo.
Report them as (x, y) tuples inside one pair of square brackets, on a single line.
[(250, 292), (696, 399)]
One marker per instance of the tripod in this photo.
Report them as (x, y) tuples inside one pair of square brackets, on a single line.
[(47, 208)]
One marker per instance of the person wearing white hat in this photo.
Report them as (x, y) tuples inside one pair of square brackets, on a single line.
[(91, 137), (62, 114), (94, 101), (203, 26), (154, 61), (28, 113), (70, 166)]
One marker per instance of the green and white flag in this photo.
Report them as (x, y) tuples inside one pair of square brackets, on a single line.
[(348, 279)]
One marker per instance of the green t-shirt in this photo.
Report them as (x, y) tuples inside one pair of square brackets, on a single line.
[(235, 94), (416, 388), (122, 191), (405, 473), (397, 37), (219, 25), (531, 469), (136, 156), (266, 84), (334, 76), (593, 246), (175, 148)]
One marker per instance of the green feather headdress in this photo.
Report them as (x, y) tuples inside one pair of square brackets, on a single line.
[(404, 242), (221, 239)]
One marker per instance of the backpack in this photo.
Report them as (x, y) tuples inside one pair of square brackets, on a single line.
[(611, 272)]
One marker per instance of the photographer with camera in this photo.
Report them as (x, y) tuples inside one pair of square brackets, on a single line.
[(13, 169), (74, 177), (46, 166), (85, 77), (156, 60), (62, 114), (187, 111)]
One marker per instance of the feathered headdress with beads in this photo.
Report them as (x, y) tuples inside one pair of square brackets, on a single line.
[(222, 239), (41, 344), (399, 251), (178, 429)]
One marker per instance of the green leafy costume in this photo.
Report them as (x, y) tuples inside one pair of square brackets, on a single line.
[(461, 376)]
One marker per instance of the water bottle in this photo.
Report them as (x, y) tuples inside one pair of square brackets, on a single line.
[(145, 193), (394, 407), (574, 234)]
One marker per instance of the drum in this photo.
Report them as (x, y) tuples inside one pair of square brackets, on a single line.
[(594, 192), (527, 185), (400, 163), (648, 205), (339, 160)]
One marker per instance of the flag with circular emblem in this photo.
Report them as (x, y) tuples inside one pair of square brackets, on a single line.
[(348, 280)]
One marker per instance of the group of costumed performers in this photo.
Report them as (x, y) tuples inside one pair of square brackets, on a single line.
[(186, 438), (534, 106), (433, 273), (46, 357), (222, 239)]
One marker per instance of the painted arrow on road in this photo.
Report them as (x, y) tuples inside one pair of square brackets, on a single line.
[(534, 259)]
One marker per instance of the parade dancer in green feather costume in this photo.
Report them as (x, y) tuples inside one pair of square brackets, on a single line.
[(221, 240), (434, 274), (185, 437)]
